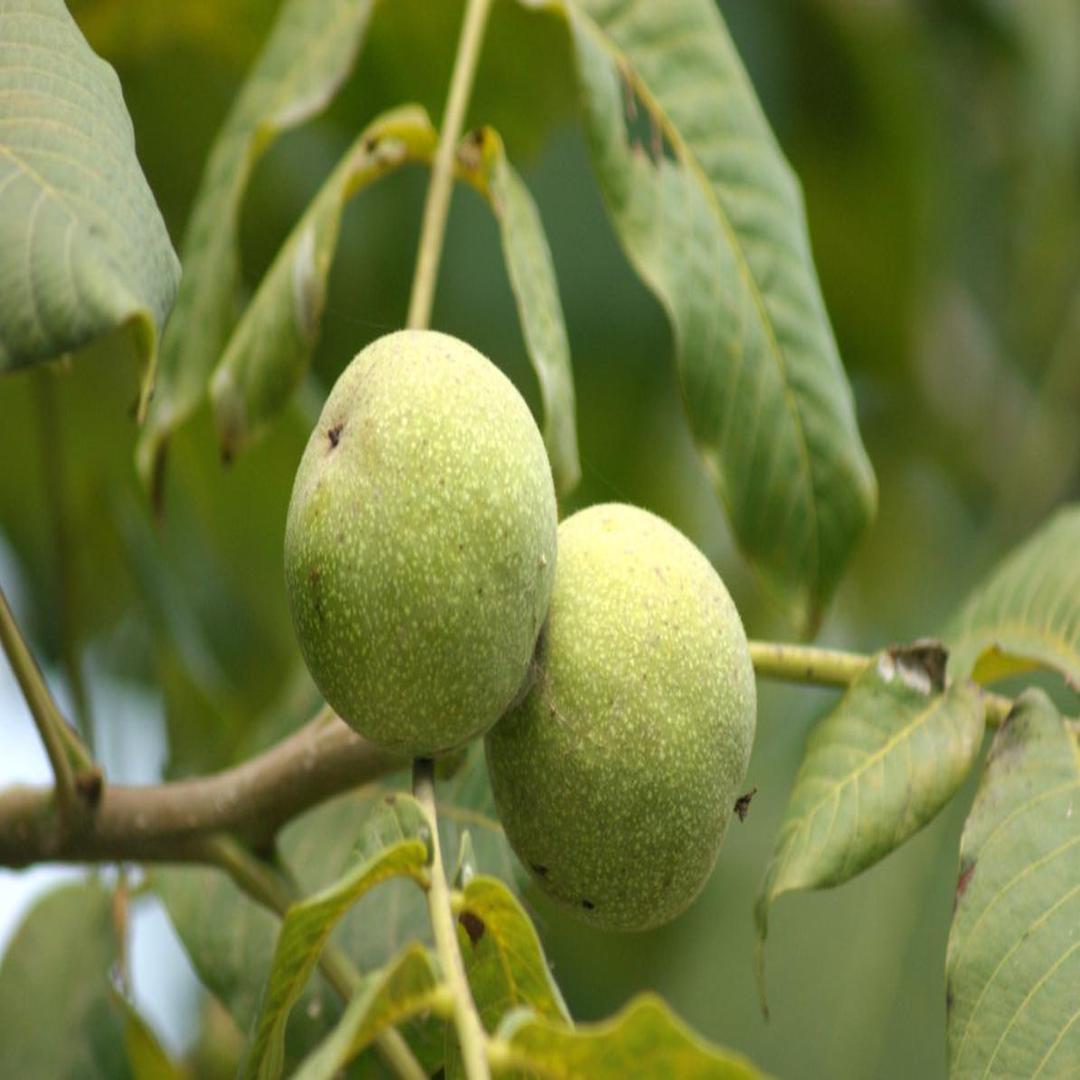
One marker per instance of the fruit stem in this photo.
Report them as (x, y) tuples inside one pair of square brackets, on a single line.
[(440, 187), (834, 667), (471, 1035), (268, 886)]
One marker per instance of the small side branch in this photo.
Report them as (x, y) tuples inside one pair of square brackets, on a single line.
[(470, 1032), (50, 723)]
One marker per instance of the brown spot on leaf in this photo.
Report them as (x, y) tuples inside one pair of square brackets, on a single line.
[(742, 803), (588, 905), (921, 665), (473, 924), (540, 869), (391, 800), (334, 434), (966, 874)]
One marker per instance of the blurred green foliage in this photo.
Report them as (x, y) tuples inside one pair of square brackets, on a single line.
[(939, 147)]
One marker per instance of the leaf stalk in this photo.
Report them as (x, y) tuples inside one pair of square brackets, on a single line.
[(440, 187)]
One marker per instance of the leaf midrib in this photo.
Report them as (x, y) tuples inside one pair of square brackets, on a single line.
[(689, 158), (920, 719)]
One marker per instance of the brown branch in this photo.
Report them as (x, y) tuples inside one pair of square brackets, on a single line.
[(251, 802), (170, 822)]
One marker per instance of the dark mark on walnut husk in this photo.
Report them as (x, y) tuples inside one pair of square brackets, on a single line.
[(742, 803)]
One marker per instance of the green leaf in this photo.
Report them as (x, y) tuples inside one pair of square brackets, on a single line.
[(1013, 962), (876, 770), (271, 346), (407, 988), (536, 292), (503, 957), (55, 1012), (83, 248), (145, 1055), (230, 939), (711, 217), (1027, 613), (645, 1039), (309, 53), (319, 846), (396, 847)]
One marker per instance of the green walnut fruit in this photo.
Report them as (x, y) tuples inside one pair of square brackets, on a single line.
[(617, 774), (420, 543)]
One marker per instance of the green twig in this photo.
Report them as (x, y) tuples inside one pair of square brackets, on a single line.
[(50, 723), (270, 888), (806, 663), (437, 205), (470, 1031), (834, 667)]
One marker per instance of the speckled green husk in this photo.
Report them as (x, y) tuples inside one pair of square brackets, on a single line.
[(615, 778), (420, 544)]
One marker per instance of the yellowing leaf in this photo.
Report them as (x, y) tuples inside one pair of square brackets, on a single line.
[(1027, 613), (645, 1039)]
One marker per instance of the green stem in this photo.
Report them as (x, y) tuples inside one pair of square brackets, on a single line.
[(440, 187), (471, 1035), (50, 431), (806, 663), (50, 723), (268, 887), (834, 667)]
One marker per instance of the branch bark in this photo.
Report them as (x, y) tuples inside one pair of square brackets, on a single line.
[(170, 822)]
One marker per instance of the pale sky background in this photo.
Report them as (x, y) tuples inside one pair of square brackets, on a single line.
[(132, 751)]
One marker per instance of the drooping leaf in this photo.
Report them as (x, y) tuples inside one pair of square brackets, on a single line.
[(1027, 613), (711, 216), (876, 770), (146, 1057), (318, 848), (645, 1039), (396, 846), (309, 53), (272, 344), (532, 278), (503, 957), (407, 988), (1013, 962), (55, 1012), (83, 248), (230, 939)]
